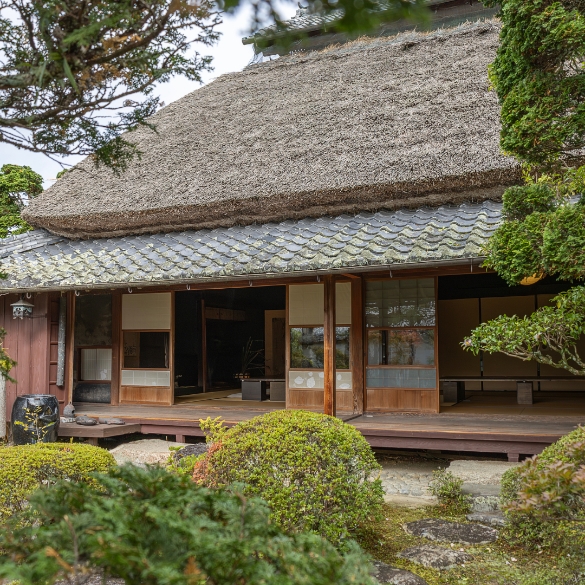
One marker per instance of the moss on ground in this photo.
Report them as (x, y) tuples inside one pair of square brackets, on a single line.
[(495, 564)]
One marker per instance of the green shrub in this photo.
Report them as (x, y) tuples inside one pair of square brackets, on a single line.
[(24, 468), (544, 498), (446, 487), (152, 527), (315, 471)]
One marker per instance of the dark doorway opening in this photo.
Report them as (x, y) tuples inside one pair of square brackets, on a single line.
[(223, 336)]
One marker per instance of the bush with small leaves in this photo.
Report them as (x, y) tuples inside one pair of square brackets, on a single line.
[(316, 472), (546, 494), (152, 527), (26, 467), (446, 487)]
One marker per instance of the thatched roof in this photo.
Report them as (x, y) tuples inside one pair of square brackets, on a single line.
[(38, 261), (379, 124)]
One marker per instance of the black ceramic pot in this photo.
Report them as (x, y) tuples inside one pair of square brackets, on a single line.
[(35, 419)]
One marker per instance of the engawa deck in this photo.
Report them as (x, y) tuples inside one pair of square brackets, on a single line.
[(514, 435)]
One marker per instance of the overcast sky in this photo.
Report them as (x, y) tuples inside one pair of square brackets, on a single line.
[(228, 55)]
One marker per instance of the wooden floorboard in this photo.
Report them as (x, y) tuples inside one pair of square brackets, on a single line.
[(456, 429)]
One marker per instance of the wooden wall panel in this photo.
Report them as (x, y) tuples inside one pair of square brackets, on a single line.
[(398, 399), (498, 364), (144, 395), (27, 342), (456, 319), (309, 399)]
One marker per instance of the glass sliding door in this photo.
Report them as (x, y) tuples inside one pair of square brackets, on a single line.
[(401, 370)]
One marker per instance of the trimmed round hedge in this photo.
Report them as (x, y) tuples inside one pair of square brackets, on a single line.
[(25, 468), (315, 471)]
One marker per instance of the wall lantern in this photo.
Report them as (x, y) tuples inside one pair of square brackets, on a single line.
[(22, 309), (528, 280)]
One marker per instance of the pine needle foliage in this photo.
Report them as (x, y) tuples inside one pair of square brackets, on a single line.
[(74, 76), (152, 527)]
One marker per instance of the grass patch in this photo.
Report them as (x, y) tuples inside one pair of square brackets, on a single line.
[(498, 563)]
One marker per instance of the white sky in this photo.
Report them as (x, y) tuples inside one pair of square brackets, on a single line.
[(229, 54)]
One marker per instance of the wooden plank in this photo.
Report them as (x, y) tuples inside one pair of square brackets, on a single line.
[(40, 345), (69, 346), (357, 345), (144, 394), (329, 343), (25, 355), (100, 431), (116, 346)]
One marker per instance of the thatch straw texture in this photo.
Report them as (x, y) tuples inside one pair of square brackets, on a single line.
[(374, 124)]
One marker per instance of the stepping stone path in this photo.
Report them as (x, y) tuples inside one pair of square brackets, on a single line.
[(444, 531), (435, 557), (386, 574), (194, 449), (492, 518)]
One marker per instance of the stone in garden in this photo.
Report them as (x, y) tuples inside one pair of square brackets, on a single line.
[(86, 421), (384, 573), (444, 531), (496, 518), (144, 452), (435, 557), (194, 449), (112, 421)]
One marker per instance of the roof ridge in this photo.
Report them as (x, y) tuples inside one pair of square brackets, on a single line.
[(402, 39)]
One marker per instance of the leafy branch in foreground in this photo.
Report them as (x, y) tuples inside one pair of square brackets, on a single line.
[(548, 336), (69, 69)]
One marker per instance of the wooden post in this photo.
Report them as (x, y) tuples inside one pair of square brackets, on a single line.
[(329, 344), (61, 335), (204, 345), (357, 345), (69, 347), (117, 346)]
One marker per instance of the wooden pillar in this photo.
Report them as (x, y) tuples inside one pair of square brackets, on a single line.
[(329, 345), (357, 345), (69, 347), (117, 355)]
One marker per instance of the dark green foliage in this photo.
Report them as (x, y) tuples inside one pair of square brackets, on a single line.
[(539, 77), (316, 472), (446, 487), (151, 527), (24, 468), (63, 61), (521, 201), (17, 185), (544, 498)]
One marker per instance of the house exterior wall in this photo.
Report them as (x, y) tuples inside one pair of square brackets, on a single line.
[(32, 343)]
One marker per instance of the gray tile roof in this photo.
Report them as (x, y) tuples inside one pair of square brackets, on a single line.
[(39, 260)]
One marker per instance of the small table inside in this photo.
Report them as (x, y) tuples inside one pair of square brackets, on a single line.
[(255, 389)]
